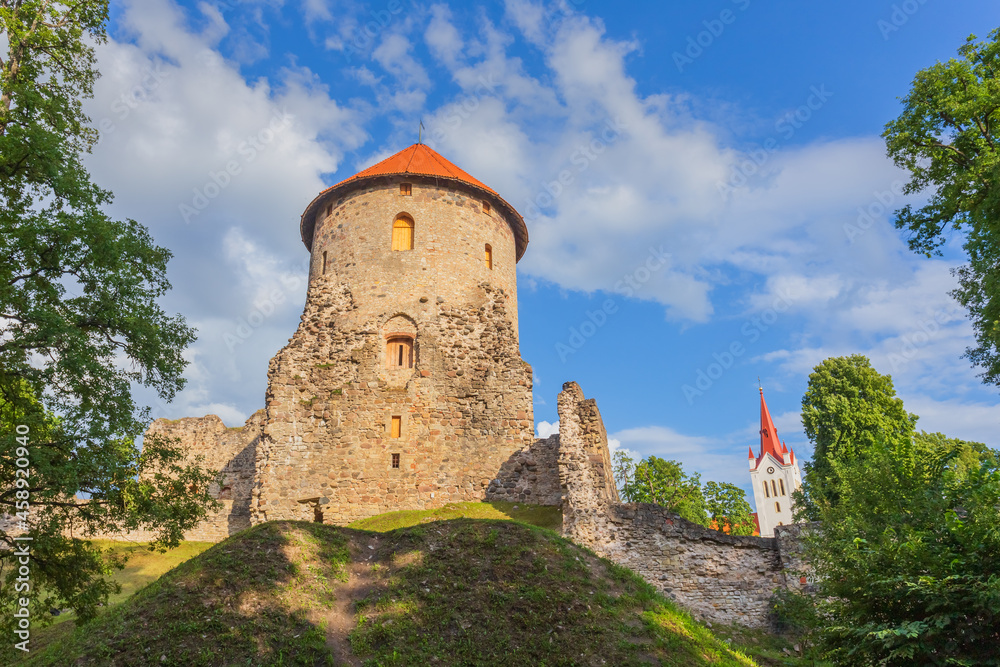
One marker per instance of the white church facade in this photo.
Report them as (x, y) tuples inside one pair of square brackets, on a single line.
[(775, 474)]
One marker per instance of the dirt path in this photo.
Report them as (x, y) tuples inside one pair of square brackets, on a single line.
[(342, 618)]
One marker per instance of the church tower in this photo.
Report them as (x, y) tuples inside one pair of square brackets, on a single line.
[(403, 387), (774, 474)]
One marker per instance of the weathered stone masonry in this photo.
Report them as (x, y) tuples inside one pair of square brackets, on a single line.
[(716, 576), (340, 416), (231, 451)]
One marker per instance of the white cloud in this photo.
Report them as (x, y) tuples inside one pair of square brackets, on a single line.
[(442, 37), (544, 429), (182, 127), (393, 54)]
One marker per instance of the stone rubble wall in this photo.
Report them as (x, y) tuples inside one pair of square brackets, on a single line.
[(531, 475), (465, 409), (716, 576), (231, 451)]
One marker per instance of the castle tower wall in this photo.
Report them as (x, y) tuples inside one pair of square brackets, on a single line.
[(350, 430), (450, 235)]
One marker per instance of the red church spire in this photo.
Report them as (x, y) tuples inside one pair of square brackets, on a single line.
[(769, 443)]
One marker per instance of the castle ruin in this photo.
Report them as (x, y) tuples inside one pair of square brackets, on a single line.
[(403, 388)]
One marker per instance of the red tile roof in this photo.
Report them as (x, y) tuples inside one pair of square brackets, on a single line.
[(769, 442), (419, 160)]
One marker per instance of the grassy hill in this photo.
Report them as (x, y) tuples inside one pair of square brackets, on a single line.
[(454, 592)]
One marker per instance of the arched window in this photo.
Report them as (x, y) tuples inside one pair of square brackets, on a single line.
[(777, 507), (767, 490), (781, 483), (402, 233), (399, 352), (324, 262), (489, 257), (774, 488)]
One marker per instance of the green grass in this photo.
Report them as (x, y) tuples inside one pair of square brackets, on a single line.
[(453, 592), (543, 516), (767, 648), (142, 568)]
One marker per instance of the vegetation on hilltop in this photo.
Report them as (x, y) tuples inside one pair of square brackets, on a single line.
[(470, 592)]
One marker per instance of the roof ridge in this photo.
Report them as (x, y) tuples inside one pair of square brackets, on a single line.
[(412, 155)]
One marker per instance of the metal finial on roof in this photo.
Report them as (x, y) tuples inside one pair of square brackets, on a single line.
[(759, 385), (420, 132)]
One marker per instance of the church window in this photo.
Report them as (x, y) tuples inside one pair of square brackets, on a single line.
[(399, 352), (774, 488), (767, 490), (324, 262), (396, 427), (777, 507), (489, 257), (405, 189), (486, 207), (329, 210), (402, 233), (395, 460), (781, 483)]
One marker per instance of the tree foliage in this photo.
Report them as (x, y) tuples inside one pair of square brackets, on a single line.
[(848, 407), (79, 322), (907, 562), (662, 482), (948, 138), (728, 508)]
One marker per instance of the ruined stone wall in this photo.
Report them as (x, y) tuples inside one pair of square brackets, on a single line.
[(716, 576), (232, 452), (531, 475), (465, 408)]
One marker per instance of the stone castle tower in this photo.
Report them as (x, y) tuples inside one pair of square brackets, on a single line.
[(403, 386)]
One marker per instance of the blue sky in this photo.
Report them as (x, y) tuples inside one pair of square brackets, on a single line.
[(738, 139)]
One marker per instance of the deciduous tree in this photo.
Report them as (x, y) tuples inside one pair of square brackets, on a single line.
[(907, 562), (948, 139), (728, 508), (79, 324), (847, 408)]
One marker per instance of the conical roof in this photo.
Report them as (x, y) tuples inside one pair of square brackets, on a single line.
[(769, 442), (418, 160)]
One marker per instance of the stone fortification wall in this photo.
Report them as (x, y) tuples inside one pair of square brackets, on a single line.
[(531, 475), (232, 452), (465, 407), (717, 576)]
